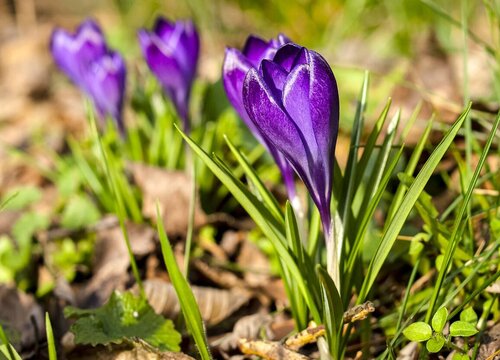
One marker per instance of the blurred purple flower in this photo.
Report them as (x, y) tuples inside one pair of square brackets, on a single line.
[(293, 101), (93, 67), (236, 65), (171, 51)]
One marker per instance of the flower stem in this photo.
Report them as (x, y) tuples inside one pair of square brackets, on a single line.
[(332, 252), (300, 217)]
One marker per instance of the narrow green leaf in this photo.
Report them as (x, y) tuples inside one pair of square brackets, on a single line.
[(459, 221), (51, 344), (418, 331), (333, 310), (462, 328), (262, 217), (372, 140), (6, 348), (410, 169), (365, 221), (439, 319), (269, 200), (348, 185), (411, 197), (187, 301)]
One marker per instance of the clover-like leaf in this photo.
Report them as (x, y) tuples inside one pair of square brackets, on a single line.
[(439, 319), (469, 315), (435, 343), (462, 328), (458, 356), (418, 331), (125, 317)]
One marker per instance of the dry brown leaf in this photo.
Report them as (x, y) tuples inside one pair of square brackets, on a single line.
[(248, 327), (221, 277), (172, 190), (254, 264), (111, 261), (490, 343), (123, 352), (215, 304), (19, 313), (269, 350)]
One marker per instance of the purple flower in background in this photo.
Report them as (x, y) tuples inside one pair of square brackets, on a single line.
[(98, 71), (293, 101), (106, 80), (236, 65), (171, 51)]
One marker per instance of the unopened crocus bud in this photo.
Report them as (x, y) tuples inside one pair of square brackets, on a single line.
[(236, 65), (293, 101), (99, 72), (171, 51)]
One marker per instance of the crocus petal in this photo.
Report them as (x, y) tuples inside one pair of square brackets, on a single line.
[(274, 76), (190, 45), (296, 102), (106, 78), (234, 68), (324, 105), (289, 55), (163, 28), (256, 49), (171, 51), (271, 120), (74, 53)]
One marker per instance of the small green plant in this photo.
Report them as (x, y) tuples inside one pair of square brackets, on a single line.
[(435, 337), (124, 318)]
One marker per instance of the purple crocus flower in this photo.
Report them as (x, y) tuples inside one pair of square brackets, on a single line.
[(236, 65), (93, 67), (171, 51), (106, 79), (293, 101)]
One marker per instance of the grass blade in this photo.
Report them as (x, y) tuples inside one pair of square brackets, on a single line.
[(269, 200), (389, 236), (262, 217), (333, 310), (455, 238), (51, 344), (9, 351), (187, 301)]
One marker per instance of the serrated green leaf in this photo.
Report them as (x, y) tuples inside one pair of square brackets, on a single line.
[(418, 331), (435, 343), (439, 319), (462, 328), (469, 315), (79, 212), (124, 317)]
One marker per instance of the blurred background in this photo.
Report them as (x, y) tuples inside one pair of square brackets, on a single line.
[(415, 51)]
